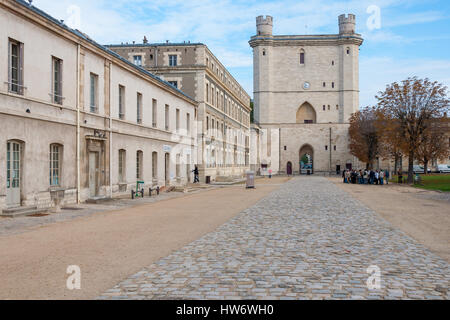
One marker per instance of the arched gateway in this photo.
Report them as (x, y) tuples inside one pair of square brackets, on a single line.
[(306, 159)]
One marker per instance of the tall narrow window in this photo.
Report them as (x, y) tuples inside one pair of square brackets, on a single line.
[(207, 92), (121, 102), (93, 95), (167, 117), (57, 81), (139, 108), (15, 71), (155, 165), (55, 164), (332, 85), (178, 120), (138, 60), (122, 159), (139, 161), (173, 60), (302, 57), (154, 113), (188, 123)]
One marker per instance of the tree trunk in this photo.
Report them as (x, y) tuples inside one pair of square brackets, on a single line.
[(425, 166), (411, 167), (396, 164)]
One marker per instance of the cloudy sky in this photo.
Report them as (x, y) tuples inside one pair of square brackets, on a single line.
[(412, 37)]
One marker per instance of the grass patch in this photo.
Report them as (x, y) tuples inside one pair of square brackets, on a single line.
[(439, 182)]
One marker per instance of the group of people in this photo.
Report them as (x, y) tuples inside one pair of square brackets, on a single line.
[(366, 176)]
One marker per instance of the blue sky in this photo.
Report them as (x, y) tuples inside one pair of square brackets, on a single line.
[(413, 38)]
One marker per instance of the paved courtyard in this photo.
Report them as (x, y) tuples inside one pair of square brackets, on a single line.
[(307, 240)]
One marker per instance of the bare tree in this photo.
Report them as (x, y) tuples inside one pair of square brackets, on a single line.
[(363, 136), (434, 143), (413, 103)]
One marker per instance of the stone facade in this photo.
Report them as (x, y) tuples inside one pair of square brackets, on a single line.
[(306, 87), (224, 106), (70, 139)]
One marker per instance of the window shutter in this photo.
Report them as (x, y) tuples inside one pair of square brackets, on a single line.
[(61, 81), (9, 65), (21, 76)]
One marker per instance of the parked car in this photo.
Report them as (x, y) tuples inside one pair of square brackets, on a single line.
[(443, 168), (420, 169)]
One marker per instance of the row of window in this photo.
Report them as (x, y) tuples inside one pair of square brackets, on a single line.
[(326, 148), (324, 84), (173, 60), (16, 85), (213, 127), (140, 165), (16, 72), (140, 109), (303, 55), (55, 165), (226, 79), (220, 100), (329, 107)]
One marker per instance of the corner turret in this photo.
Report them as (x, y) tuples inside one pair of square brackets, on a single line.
[(264, 26)]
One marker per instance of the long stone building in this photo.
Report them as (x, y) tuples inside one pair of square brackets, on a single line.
[(224, 106), (305, 89), (78, 120)]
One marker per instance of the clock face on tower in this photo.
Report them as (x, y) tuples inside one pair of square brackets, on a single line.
[(306, 85)]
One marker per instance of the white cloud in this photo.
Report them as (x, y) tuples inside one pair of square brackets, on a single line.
[(226, 26)]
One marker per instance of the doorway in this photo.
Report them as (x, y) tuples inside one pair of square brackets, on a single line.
[(93, 173), (13, 173), (306, 162), (289, 168)]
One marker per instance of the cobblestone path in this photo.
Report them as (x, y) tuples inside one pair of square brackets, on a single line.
[(307, 240)]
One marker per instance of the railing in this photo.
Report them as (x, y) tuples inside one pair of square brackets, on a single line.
[(19, 87)]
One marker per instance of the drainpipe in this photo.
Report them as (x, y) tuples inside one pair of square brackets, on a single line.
[(110, 134), (78, 125)]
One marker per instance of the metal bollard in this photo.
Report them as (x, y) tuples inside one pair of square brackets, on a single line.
[(157, 191), (132, 194), (150, 192)]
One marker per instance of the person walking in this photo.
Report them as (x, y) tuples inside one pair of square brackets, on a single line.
[(386, 174), (195, 171), (377, 177), (270, 173), (381, 177)]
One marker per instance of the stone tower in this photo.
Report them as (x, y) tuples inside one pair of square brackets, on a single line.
[(264, 26), (305, 89)]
